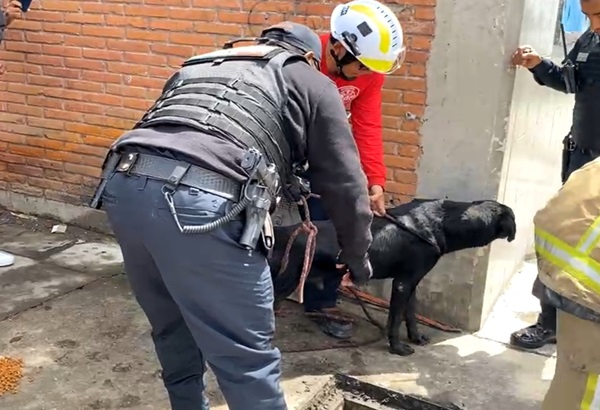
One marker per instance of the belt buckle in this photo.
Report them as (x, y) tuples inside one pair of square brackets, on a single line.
[(127, 162)]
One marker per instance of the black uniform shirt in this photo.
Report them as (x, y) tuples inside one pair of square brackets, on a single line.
[(586, 113)]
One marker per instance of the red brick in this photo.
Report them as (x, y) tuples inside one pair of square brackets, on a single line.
[(400, 188), (146, 35), (172, 25), (133, 46), (105, 55), (45, 183), (62, 197), (137, 22), (46, 81), (23, 47), (26, 151), (193, 39), (405, 177), (86, 18), (12, 138), (54, 50), (12, 177), (45, 16), (102, 8), (61, 5), (21, 188), (27, 25), (410, 97), (147, 11), (65, 28), (91, 171), (400, 162), (40, 59), (97, 31), (425, 13)]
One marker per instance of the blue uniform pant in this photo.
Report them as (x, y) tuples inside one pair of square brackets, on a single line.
[(316, 298), (207, 299)]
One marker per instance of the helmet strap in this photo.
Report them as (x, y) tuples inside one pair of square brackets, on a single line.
[(341, 62)]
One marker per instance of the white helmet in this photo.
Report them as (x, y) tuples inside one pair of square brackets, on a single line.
[(371, 32)]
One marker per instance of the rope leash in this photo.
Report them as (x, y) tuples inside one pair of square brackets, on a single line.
[(309, 251)]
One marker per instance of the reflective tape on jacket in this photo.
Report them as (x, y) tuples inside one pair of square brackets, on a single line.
[(575, 261), (591, 397)]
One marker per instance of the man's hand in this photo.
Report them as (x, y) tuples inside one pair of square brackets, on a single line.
[(357, 275), (13, 11), (526, 56), (346, 279), (377, 200)]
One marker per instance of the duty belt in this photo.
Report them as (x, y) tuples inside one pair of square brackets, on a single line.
[(179, 173)]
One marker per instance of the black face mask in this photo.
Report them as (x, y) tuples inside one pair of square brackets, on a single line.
[(341, 62)]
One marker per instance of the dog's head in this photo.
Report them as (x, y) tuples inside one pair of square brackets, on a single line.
[(503, 217)]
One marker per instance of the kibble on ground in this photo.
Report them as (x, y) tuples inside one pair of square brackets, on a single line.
[(11, 373)]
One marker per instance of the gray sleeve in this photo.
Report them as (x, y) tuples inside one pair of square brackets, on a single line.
[(337, 175)]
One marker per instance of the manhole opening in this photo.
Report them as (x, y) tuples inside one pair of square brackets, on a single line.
[(348, 393)]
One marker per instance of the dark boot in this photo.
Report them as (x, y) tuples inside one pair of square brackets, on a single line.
[(333, 322), (320, 306), (540, 334)]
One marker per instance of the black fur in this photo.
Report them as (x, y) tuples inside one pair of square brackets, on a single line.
[(398, 254)]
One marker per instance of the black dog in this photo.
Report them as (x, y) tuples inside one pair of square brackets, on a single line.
[(405, 248)]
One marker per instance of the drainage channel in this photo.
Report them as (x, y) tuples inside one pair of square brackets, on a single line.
[(348, 393)]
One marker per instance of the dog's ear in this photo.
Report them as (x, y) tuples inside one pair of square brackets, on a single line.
[(507, 225)]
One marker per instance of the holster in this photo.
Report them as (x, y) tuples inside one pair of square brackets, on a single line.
[(108, 167), (568, 148), (570, 77)]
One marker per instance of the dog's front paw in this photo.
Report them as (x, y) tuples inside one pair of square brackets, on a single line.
[(419, 339), (401, 349)]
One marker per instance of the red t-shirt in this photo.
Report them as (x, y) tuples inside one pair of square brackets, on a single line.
[(362, 98)]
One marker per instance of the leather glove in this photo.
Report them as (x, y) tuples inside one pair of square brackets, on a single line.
[(360, 270)]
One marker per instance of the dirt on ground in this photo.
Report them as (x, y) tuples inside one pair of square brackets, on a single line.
[(37, 224)]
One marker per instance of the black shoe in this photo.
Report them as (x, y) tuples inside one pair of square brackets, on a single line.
[(333, 323), (533, 337)]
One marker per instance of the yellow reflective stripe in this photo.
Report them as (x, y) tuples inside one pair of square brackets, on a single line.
[(591, 397), (385, 39), (590, 239), (583, 268)]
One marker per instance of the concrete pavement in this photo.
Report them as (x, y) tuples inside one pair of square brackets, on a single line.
[(66, 309)]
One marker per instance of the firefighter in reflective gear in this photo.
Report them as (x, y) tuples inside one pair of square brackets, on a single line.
[(581, 146), (189, 193), (567, 244)]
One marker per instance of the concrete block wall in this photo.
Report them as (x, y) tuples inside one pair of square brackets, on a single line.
[(492, 133), (79, 73)]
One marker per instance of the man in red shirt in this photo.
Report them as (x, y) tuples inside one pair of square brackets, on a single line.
[(365, 44)]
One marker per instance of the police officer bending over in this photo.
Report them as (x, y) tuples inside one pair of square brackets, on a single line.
[(188, 193), (579, 75)]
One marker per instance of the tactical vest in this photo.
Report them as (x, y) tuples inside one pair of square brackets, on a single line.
[(586, 113), (237, 94), (567, 239)]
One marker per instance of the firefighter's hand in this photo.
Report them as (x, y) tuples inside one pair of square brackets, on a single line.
[(13, 11), (377, 200), (527, 57)]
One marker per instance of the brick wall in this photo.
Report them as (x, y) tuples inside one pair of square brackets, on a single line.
[(81, 72)]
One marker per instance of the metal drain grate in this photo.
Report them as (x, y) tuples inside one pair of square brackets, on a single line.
[(348, 393)]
